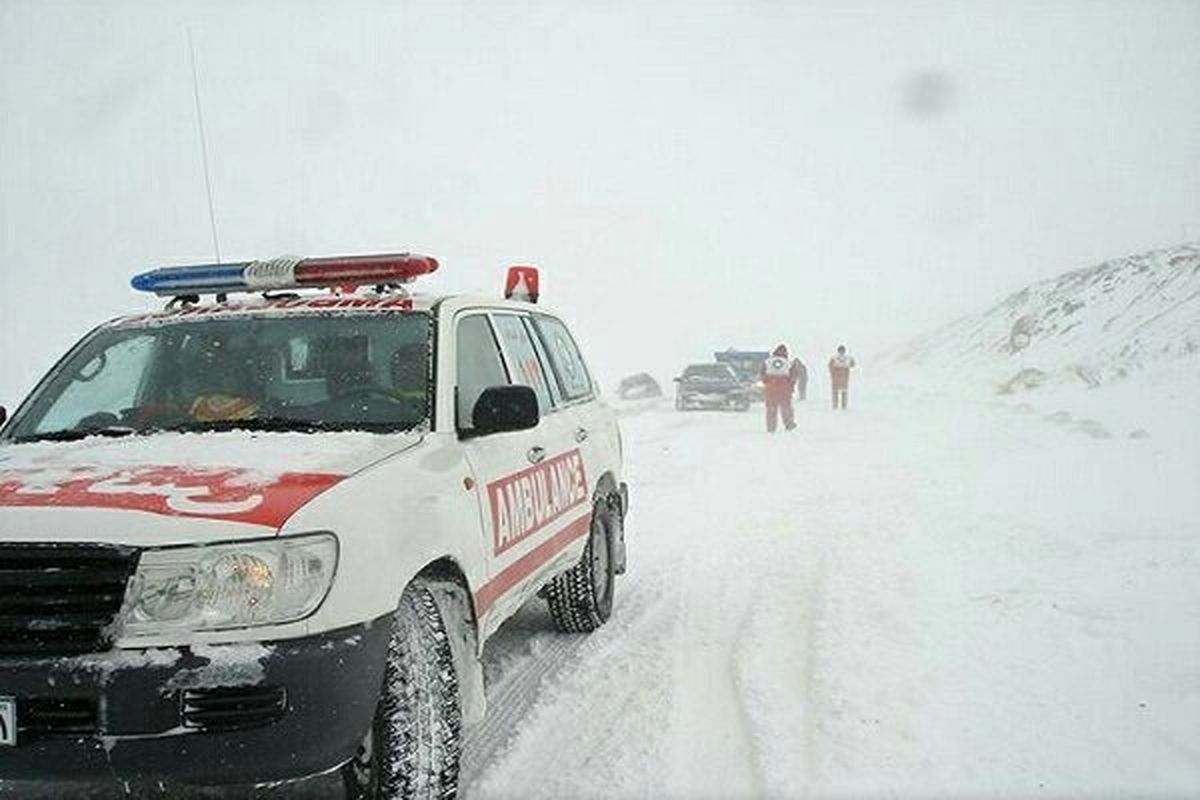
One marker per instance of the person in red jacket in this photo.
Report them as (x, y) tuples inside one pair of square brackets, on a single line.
[(839, 377), (779, 374)]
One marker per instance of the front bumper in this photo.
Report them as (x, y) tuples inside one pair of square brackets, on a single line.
[(221, 714)]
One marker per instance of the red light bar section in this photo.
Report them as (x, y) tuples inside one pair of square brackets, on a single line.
[(341, 271), (522, 284)]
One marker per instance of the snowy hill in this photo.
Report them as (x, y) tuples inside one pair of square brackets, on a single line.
[(1095, 326)]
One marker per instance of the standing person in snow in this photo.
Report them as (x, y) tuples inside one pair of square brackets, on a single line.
[(801, 380), (839, 376), (779, 375)]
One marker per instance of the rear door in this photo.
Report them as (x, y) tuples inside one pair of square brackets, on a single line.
[(531, 485)]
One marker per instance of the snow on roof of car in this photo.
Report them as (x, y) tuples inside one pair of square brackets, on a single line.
[(302, 304), (283, 305)]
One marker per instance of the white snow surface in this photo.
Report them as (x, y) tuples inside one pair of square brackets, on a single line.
[(1103, 323), (925, 596)]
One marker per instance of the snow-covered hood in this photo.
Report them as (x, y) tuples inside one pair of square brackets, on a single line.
[(175, 488)]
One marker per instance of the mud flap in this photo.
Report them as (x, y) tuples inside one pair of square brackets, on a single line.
[(620, 504), (458, 616)]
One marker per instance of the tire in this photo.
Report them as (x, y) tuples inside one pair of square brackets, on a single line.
[(581, 598), (413, 749)]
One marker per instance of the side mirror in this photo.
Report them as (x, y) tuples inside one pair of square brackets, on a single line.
[(503, 409), (677, 379)]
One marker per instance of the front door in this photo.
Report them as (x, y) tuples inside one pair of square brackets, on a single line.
[(531, 485)]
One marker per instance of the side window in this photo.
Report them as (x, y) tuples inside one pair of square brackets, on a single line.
[(524, 362), (479, 364), (530, 329), (564, 356)]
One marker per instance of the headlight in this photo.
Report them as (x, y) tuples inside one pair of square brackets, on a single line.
[(237, 585)]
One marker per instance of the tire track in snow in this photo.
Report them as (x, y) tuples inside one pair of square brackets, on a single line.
[(741, 554), (549, 702), (513, 697), (713, 753), (775, 660)]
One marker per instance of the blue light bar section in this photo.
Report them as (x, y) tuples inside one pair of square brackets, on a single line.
[(199, 279)]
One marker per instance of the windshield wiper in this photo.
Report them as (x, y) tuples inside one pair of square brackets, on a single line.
[(289, 425), (280, 424), (75, 434)]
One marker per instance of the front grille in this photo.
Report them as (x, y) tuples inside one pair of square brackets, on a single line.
[(46, 717), (233, 708), (60, 599)]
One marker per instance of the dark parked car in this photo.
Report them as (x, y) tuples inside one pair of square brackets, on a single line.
[(711, 386)]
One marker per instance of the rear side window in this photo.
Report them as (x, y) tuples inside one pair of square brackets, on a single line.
[(530, 329), (564, 357), (524, 363), (479, 365)]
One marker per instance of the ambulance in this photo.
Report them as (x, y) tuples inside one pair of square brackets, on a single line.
[(263, 533)]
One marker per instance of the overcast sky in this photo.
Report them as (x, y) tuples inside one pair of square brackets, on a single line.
[(688, 175)]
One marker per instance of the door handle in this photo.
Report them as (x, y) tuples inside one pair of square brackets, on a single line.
[(581, 435), (536, 455)]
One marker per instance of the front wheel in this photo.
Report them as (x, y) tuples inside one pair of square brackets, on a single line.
[(413, 749), (581, 598)]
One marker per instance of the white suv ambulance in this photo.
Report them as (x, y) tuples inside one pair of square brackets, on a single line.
[(266, 537)]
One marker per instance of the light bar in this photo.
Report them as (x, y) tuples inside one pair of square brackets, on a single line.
[(200, 279), (285, 273), (522, 284)]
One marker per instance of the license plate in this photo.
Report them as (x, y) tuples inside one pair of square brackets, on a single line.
[(8, 722)]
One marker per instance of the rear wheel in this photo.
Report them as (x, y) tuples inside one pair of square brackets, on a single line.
[(413, 748), (581, 598)]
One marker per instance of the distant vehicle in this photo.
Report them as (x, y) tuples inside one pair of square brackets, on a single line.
[(747, 365), (641, 386), (711, 386)]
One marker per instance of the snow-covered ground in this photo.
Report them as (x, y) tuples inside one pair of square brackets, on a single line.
[(934, 593), (1095, 325), (922, 596)]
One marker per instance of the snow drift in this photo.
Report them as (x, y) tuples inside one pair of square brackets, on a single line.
[(1093, 326)]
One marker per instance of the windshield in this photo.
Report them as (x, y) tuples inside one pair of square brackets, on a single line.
[(299, 373), (709, 372)]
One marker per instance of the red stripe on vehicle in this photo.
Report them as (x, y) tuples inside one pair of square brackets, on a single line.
[(237, 495), (529, 563), (525, 502)]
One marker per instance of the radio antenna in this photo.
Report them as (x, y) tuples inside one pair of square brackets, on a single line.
[(212, 216)]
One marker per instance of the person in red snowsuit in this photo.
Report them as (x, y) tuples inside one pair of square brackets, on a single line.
[(839, 377), (778, 375)]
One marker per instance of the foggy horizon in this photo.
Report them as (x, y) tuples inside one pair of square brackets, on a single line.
[(754, 173)]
